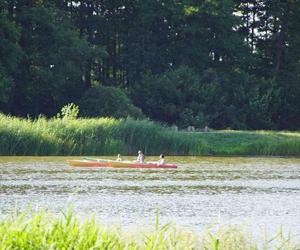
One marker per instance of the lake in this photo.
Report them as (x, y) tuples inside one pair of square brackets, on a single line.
[(260, 192)]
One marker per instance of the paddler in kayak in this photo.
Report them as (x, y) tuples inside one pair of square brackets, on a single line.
[(141, 157), (161, 160), (119, 158)]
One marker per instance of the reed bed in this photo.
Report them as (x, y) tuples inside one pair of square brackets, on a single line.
[(42, 230), (109, 136)]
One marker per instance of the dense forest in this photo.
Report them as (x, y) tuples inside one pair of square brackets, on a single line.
[(225, 64)]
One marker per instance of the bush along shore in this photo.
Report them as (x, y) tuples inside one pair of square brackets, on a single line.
[(109, 136), (46, 231)]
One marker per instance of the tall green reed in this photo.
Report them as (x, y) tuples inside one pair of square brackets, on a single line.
[(30, 230), (109, 136)]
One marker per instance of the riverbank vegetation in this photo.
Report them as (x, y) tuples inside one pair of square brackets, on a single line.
[(186, 63), (109, 136), (46, 231)]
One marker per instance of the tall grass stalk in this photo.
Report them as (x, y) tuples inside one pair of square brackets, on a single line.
[(45, 231), (108, 136)]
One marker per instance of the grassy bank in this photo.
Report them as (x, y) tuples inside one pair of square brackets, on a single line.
[(107, 136), (44, 231)]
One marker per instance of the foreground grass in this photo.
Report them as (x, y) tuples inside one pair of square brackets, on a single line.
[(43, 231), (107, 136)]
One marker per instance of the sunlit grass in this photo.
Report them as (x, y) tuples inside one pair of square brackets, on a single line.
[(109, 136), (46, 231)]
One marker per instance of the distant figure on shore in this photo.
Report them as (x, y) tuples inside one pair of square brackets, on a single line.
[(119, 158), (141, 157), (161, 160), (205, 129)]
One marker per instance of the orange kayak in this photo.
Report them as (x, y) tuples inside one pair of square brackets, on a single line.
[(116, 164), (130, 164), (86, 163)]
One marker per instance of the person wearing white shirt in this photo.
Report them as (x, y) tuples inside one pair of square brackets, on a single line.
[(141, 157), (161, 160)]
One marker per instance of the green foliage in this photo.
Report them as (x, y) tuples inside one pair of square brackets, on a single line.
[(225, 64), (9, 56), (108, 136), (107, 101), (69, 111), (53, 61), (183, 97), (171, 97), (29, 230), (5, 86)]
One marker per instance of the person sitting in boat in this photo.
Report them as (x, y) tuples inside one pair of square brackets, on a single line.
[(119, 158), (161, 160), (141, 157)]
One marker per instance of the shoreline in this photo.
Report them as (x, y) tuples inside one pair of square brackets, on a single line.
[(109, 136)]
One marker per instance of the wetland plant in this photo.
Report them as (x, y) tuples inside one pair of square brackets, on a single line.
[(109, 136), (40, 230)]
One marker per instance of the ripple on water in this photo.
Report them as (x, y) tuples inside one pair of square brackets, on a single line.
[(201, 190)]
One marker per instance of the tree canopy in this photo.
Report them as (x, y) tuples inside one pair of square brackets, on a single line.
[(230, 63)]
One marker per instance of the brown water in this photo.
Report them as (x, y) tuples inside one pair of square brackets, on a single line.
[(203, 190)]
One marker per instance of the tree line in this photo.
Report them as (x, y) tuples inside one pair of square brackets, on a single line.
[(224, 64)]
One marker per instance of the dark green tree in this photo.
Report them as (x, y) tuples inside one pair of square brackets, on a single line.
[(107, 101), (10, 54), (231, 63), (51, 72)]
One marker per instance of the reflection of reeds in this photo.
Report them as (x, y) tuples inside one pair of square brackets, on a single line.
[(108, 136), (44, 231)]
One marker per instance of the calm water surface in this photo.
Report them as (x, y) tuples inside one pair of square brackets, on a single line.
[(203, 190)]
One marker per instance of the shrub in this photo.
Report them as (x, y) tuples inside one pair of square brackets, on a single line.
[(69, 111), (109, 102)]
